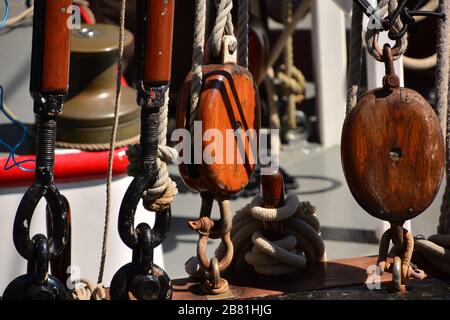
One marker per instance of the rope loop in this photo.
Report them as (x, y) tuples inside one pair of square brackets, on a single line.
[(300, 245), (372, 34)]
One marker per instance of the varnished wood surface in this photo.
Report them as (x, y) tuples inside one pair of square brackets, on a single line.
[(56, 46), (272, 190), (159, 37), (229, 100), (393, 154), (337, 274)]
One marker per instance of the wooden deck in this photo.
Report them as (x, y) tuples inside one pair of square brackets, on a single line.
[(339, 274)]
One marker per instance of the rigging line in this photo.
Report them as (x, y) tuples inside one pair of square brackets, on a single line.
[(113, 139)]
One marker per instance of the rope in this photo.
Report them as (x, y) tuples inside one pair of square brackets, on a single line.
[(96, 146), (198, 52), (420, 64), (222, 26), (293, 86), (300, 245), (372, 34), (355, 63), (289, 64), (163, 192), (243, 21), (437, 248), (289, 29), (87, 290), (431, 61), (113, 139)]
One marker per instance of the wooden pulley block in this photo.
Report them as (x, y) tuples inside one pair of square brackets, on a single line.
[(229, 103), (393, 150)]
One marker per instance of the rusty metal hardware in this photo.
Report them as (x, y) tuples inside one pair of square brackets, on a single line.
[(213, 229), (142, 278), (392, 141), (48, 87)]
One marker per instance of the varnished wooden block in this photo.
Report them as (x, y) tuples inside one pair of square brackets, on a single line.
[(229, 101), (393, 153)]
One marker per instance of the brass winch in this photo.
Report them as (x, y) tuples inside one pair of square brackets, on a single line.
[(89, 111)]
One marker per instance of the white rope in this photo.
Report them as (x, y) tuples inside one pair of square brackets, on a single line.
[(87, 290), (301, 245), (222, 26), (161, 195), (198, 52)]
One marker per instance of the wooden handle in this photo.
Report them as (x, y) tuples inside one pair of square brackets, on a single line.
[(51, 46), (158, 42), (272, 190)]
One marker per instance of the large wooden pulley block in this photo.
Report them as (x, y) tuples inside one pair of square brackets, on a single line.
[(229, 101), (393, 153)]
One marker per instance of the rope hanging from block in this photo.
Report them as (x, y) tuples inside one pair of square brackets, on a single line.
[(437, 248)]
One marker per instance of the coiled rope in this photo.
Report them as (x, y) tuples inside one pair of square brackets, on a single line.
[(300, 246)]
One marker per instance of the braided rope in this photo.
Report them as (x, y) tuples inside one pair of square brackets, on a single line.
[(437, 248), (301, 245), (223, 25), (355, 63), (95, 146), (243, 21), (372, 34), (198, 52), (442, 107), (163, 192)]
